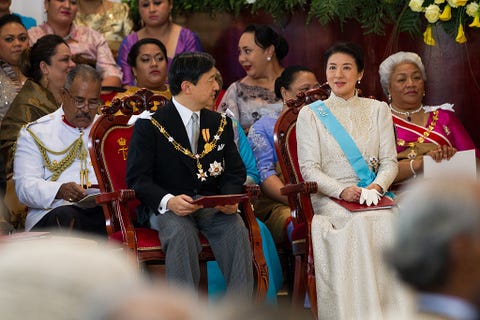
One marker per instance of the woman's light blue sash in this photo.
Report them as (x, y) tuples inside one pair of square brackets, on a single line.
[(346, 143)]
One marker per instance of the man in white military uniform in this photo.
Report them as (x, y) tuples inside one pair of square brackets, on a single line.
[(52, 167)]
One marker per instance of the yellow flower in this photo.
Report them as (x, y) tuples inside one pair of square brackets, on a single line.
[(475, 22), (456, 3), (432, 12), (439, 1), (446, 14), (460, 34), (428, 37), (416, 5)]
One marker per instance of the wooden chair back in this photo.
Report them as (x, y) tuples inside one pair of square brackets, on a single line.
[(298, 192), (108, 147)]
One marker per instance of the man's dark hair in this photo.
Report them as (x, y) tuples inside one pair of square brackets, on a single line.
[(188, 66)]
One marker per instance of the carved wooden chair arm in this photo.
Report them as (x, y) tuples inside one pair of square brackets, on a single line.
[(260, 265), (253, 191), (123, 195), (120, 199), (306, 187)]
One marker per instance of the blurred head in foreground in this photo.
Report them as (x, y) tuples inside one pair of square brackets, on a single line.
[(58, 277), (437, 245)]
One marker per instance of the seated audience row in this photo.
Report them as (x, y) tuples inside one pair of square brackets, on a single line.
[(103, 27), (345, 144)]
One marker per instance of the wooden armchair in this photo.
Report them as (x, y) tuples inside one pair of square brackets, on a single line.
[(108, 147), (298, 192)]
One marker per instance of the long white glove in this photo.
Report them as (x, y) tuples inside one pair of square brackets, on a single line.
[(370, 196)]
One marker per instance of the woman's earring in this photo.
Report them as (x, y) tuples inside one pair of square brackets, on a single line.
[(269, 58), (389, 97), (424, 93), (358, 81)]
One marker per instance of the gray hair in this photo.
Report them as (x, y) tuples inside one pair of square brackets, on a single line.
[(56, 277), (386, 67), (83, 71), (431, 215)]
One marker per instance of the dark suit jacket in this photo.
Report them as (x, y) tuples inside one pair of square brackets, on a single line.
[(155, 168)]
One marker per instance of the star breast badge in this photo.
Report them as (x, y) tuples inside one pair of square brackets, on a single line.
[(215, 169)]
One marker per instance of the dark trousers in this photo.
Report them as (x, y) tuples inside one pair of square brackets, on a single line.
[(228, 238), (68, 218)]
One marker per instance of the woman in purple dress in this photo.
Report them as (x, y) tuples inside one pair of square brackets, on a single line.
[(157, 24)]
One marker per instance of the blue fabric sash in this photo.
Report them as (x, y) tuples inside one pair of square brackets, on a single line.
[(346, 143)]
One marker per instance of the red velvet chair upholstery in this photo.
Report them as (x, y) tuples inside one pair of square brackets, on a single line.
[(108, 147), (298, 192)]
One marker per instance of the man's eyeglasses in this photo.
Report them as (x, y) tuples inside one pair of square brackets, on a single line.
[(81, 102)]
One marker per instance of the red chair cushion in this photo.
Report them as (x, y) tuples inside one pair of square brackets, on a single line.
[(147, 239), (115, 149)]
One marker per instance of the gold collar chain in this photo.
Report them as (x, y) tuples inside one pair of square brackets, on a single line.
[(421, 139), (207, 148), (74, 150)]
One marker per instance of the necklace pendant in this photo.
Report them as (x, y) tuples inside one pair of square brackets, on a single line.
[(409, 119), (201, 175)]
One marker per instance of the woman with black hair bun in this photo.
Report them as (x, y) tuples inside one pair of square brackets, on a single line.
[(260, 50)]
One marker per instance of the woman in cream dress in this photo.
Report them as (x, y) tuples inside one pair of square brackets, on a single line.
[(352, 280)]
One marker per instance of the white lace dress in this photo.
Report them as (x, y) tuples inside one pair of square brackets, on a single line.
[(352, 280)]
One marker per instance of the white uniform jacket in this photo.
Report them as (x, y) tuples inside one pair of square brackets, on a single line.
[(32, 179)]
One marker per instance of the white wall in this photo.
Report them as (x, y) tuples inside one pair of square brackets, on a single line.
[(32, 8)]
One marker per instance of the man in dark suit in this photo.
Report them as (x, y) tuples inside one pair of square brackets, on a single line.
[(172, 160)]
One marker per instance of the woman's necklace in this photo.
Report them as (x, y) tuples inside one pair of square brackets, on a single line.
[(421, 138), (406, 113), (12, 74)]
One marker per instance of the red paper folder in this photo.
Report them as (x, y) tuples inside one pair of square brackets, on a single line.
[(220, 200), (384, 203)]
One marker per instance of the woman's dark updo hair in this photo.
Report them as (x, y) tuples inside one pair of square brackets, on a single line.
[(287, 77), (349, 48), (11, 18), (42, 50), (135, 49), (266, 36)]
